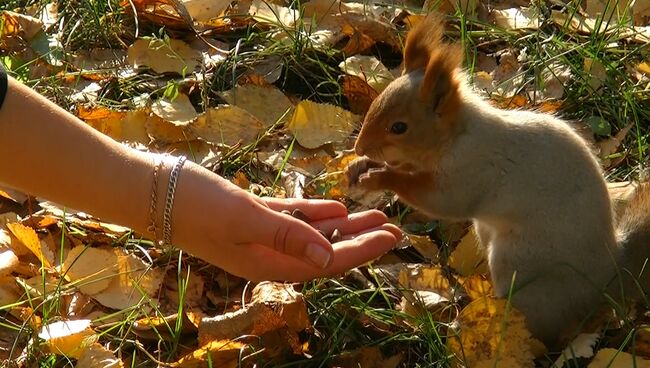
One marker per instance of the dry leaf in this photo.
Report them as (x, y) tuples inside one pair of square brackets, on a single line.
[(90, 269), (610, 146), (581, 347), (68, 338), (28, 237), (220, 353), (423, 244), (367, 356), (133, 281), (516, 18), (268, 104), (227, 125), (267, 12), (175, 56), (9, 292), (179, 112), (315, 124), (469, 257), (490, 333), (285, 301), (97, 356), (8, 261), (19, 25), (123, 126), (612, 358), (476, 286), (165, 132), (595, 70), (358, 93), (370, 69), (425, 278), (194, 286), (205, 10)]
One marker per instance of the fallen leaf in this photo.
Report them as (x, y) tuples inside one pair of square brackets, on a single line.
[(268, 104), (97, 356), (610, 146), (370, 69), (220, 353), (8, 261), (612, 358), (90, 269), (227, 125), (516, 18), (491, 333), (205, 10), (581, 347), (134, 281), (28, 237), (179, 111), (314, 124), (68, 338), (286, 301), (595, 71), (469, 257), (358, 93), (174, 56), (476, 286), (267, 12)]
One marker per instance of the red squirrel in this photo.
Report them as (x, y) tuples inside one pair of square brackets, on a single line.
[(532, 187)]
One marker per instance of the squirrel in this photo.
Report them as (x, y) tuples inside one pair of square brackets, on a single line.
[(532, 187)]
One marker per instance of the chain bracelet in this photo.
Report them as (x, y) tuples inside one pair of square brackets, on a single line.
[(153, 210), (169, 201)]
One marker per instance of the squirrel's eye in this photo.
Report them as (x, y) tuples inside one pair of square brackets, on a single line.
[(398, 128)]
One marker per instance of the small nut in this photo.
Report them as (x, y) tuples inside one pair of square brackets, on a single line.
[(336, 236), (300, 215), (286, 212)]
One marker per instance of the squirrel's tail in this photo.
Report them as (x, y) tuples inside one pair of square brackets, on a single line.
[(633, 229)]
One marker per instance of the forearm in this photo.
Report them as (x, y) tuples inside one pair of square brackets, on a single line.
[(50, 153)]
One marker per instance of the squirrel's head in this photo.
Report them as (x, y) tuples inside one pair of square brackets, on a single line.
[(416, 117)]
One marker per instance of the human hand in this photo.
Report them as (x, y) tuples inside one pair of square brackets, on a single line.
[(248, 236)]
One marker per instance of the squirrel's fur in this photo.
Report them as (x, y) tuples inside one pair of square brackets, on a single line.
[(530, 184)]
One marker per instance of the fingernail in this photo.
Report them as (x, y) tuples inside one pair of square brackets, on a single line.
[(317, 254)]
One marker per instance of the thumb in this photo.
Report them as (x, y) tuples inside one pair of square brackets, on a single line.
[(293, 237)]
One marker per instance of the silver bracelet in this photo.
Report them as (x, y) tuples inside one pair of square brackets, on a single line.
[(169, 201)]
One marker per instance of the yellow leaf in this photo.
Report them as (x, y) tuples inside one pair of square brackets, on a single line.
[(266, 12), (315, 124), (179, 112), (370, 69), (162, 57), (477, 286), (612, 358), (220, 353), (97, 356), (490, 333), (28, 237), (68, 338), (133, 282), (227, 125), (90, 269), (268, 104), (469, 257)]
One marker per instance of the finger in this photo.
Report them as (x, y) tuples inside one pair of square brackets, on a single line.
[(353, 223), (289, 236), (315, 209), (386, 227), (266, 264)]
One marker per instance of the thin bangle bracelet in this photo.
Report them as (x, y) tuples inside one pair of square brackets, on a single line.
[(169, 202)]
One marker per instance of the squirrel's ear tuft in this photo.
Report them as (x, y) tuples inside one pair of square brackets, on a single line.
[(421, 42), (440, 84)]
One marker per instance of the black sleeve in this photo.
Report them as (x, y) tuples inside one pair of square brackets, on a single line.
[(3, 85)]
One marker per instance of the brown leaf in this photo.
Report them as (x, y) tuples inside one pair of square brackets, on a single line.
[(359, 94), (227, 125)]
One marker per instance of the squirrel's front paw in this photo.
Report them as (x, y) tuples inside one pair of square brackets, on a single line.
[(370, 175)]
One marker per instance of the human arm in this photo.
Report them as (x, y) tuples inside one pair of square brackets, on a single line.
[(50, 153)]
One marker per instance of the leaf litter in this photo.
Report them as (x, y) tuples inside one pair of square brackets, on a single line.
[(167, 92)]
